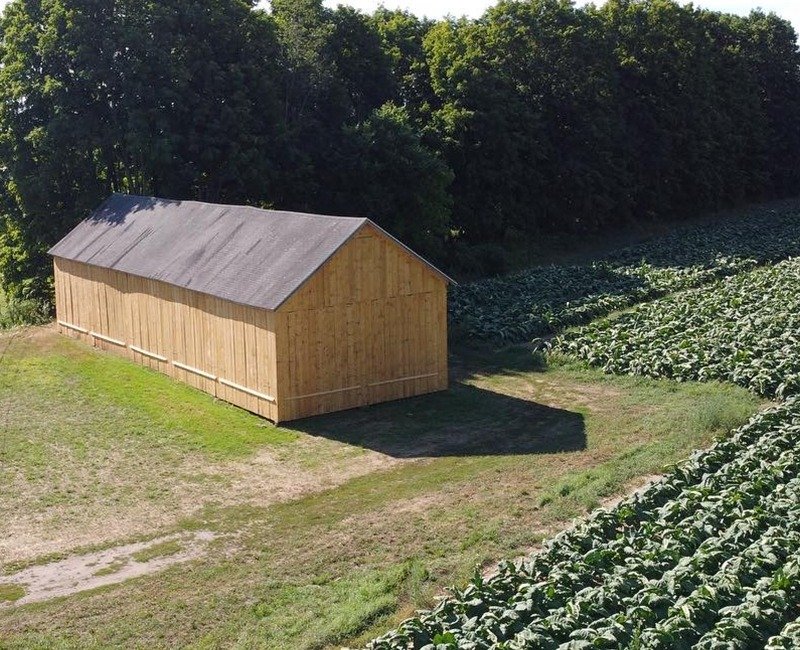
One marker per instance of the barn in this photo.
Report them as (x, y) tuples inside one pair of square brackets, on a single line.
[(284, 314)]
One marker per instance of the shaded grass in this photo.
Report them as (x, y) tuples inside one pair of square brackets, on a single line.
[(342, 564)]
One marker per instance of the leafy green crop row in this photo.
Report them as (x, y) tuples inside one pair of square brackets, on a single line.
[(707, 557), (788, 639), (744, 329), (540, 301)]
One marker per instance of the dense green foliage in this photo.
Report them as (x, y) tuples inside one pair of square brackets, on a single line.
[(706, 557), (210, 100), (744, 329), (543, 300), (19, 312), (788, 639), (461, 136)]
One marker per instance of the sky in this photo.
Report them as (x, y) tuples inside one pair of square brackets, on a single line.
[(437, 8)]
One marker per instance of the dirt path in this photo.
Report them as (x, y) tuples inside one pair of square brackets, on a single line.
[(110, 566), (32, 527)]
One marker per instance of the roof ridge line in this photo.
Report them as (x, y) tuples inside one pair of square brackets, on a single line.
[(216, 249)]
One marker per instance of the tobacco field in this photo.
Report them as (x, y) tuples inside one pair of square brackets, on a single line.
[(707, 557), (744, 329), (545, 300)]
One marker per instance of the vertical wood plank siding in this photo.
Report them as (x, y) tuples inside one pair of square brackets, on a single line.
[(157, 321), (369, 326)]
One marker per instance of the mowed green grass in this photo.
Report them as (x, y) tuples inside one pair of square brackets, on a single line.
[(57, 370), (422, 490)]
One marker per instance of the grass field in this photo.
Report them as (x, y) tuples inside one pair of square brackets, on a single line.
[(326, 532)]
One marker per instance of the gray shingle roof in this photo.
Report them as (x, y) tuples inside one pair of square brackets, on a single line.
[(247, 255)]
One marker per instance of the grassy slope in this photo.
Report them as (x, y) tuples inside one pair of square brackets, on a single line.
[(481, 472)]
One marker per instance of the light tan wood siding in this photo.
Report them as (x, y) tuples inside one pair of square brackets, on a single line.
[(225, 349), (369, 326)]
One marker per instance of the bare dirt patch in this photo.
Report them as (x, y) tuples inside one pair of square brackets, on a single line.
[(316, 464), (110, 566), (40, 527), (596, 397)]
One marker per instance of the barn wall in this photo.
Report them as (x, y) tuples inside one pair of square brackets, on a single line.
[(369, 326), (165, 327)]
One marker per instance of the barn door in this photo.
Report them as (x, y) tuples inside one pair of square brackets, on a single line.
[(326, 356)]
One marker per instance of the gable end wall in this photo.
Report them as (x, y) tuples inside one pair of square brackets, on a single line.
[(369, 326)]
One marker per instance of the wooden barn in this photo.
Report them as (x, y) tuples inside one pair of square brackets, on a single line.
[(284, 314)]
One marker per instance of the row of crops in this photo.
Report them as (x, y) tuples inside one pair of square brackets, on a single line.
[(541, 301), (743, 329), (707, 557)]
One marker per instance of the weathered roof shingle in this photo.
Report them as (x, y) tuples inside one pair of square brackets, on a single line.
[(247, 255)]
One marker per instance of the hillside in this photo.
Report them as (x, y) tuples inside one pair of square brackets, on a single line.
[(184, 521), (706, 556), (187, 522)]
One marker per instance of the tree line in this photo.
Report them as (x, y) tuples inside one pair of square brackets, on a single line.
[(459, 136)]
